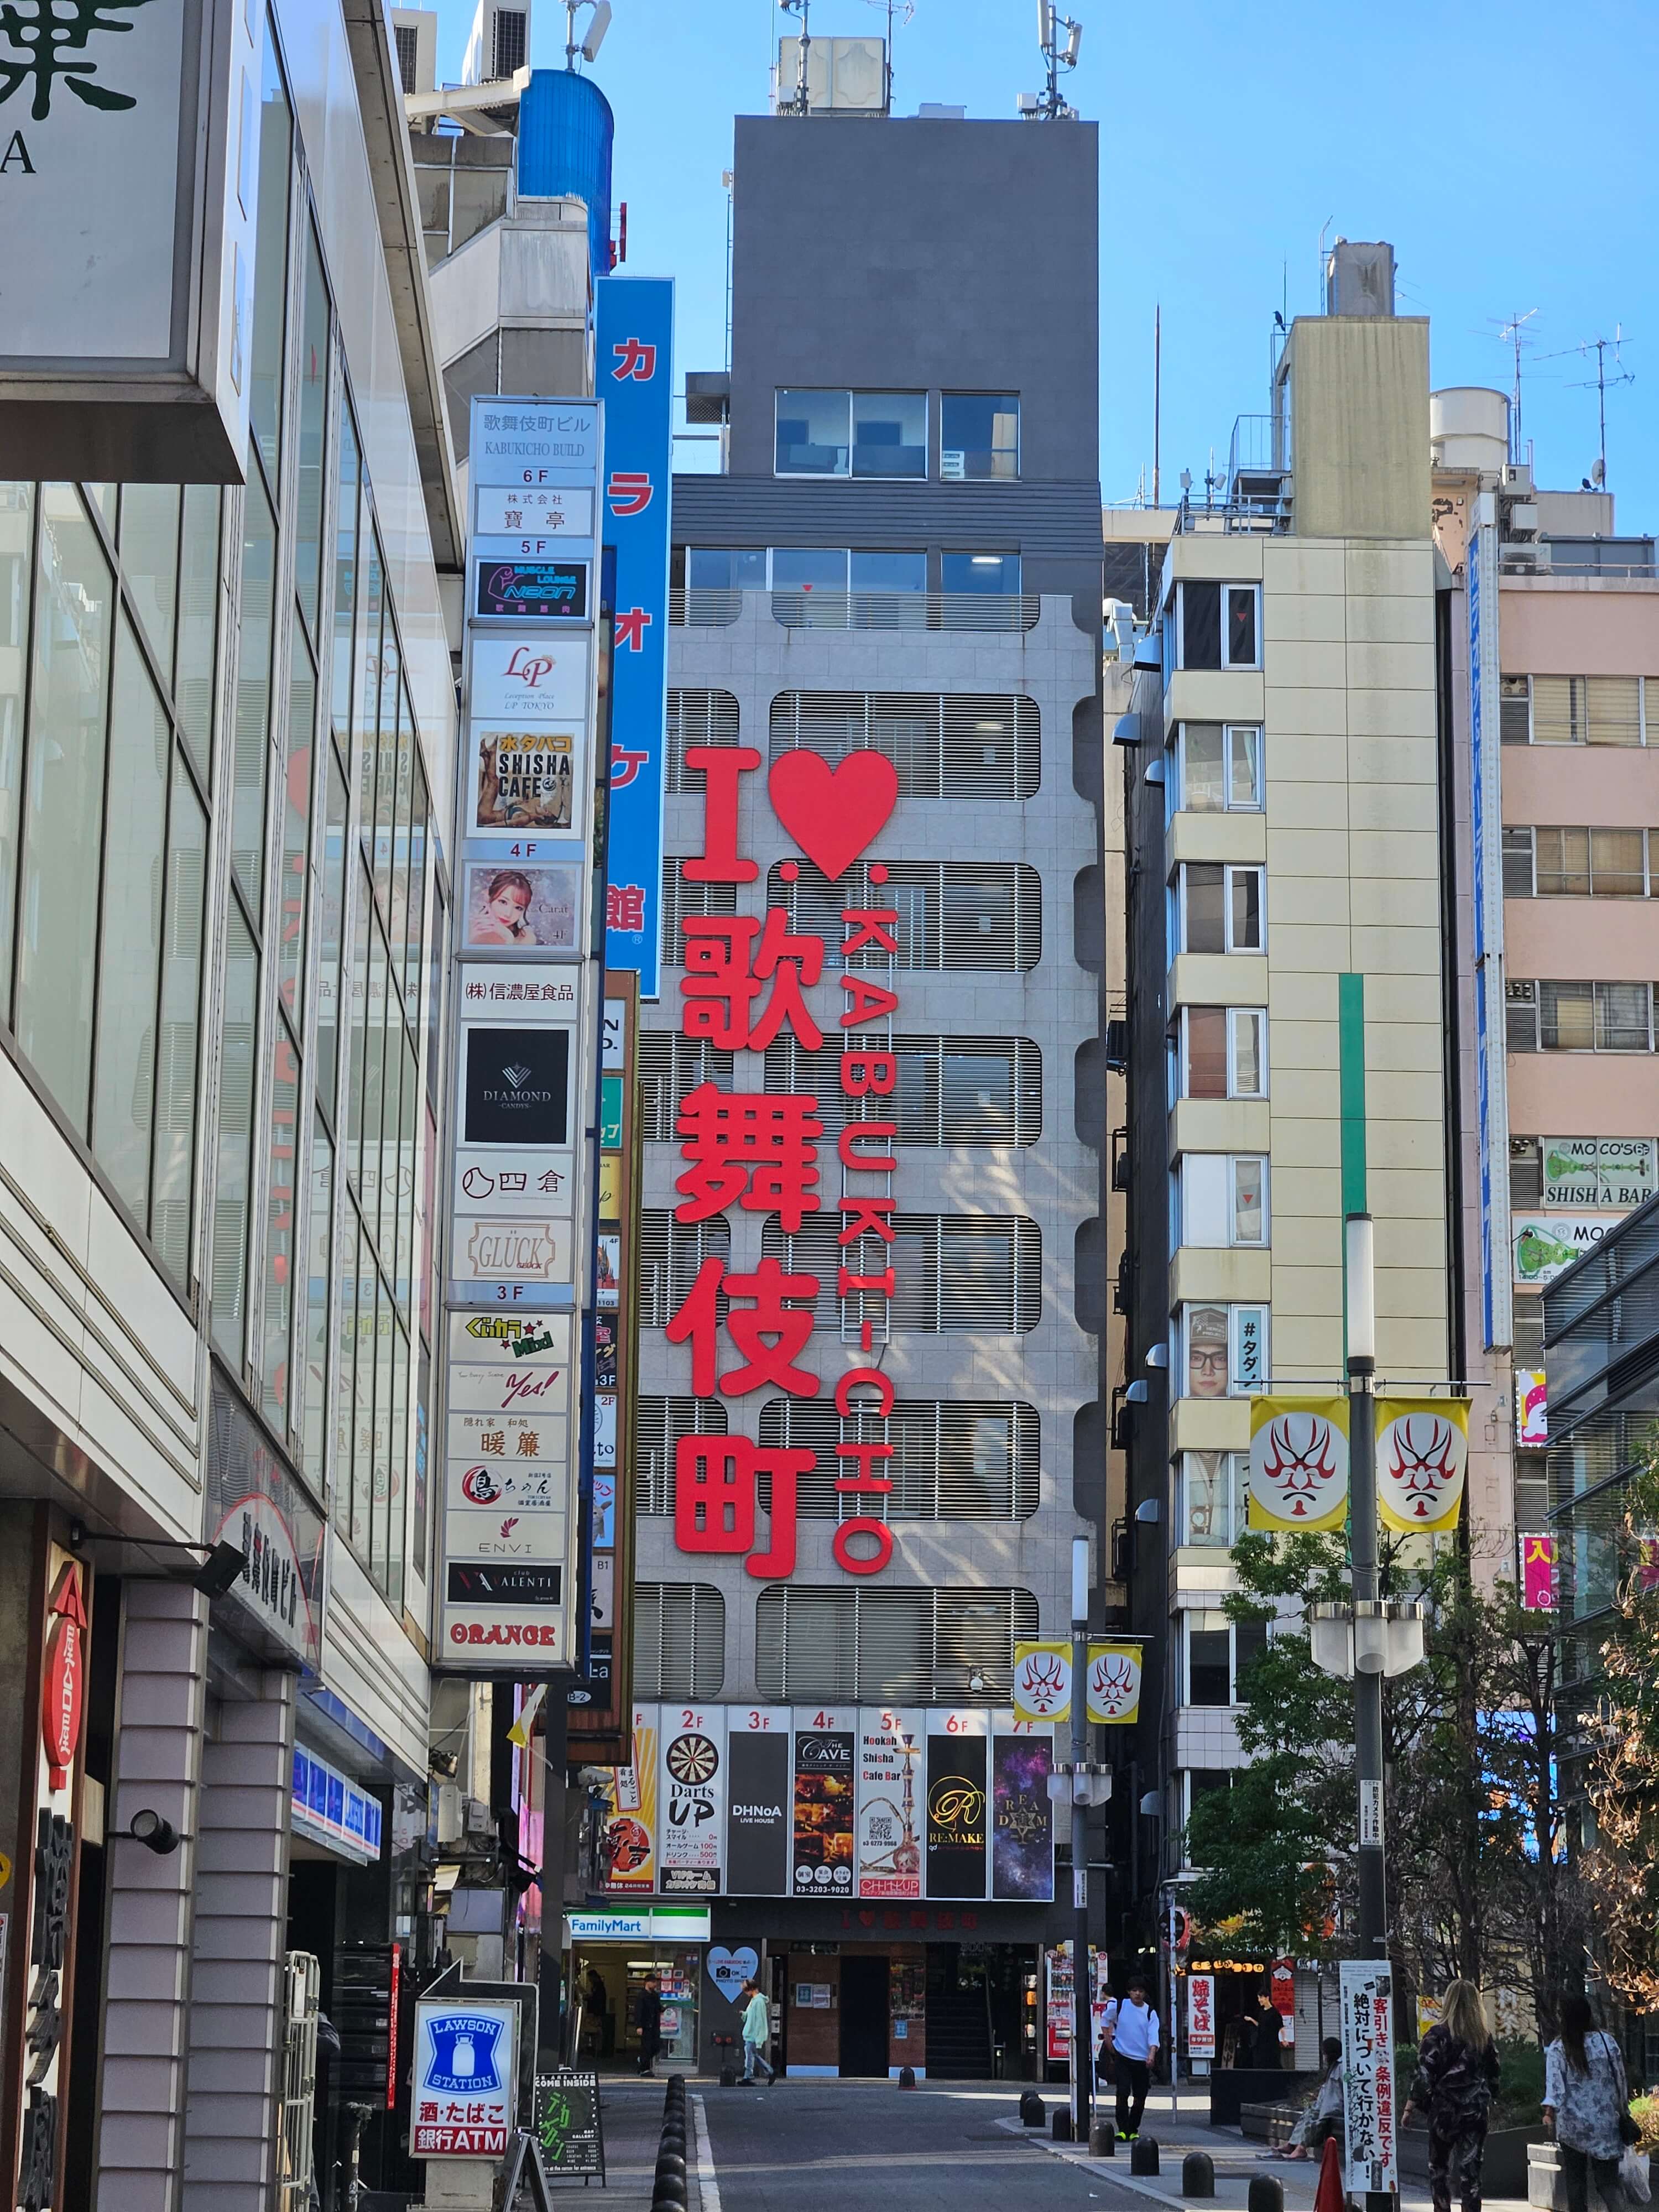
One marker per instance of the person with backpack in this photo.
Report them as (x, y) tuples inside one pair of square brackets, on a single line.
[(1456, 2079), (1133, 2035), (1587, 2106)]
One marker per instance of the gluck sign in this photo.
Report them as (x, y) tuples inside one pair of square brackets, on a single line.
[(744, 982)]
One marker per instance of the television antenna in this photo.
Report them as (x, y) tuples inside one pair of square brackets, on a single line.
[(599, 24), (899, 13), (1600, 380), (799, 103), (1514, 334), (1047, 106)]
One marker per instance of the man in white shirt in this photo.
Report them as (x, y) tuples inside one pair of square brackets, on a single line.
[(1133, 2036)]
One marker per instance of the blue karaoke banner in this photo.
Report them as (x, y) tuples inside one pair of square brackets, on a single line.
[(634, 375)]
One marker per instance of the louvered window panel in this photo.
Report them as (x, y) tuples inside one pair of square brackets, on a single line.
[(834, 1644), (944, 744), (953, 1460), (659, 1424), (983, 915), (981, 1271), (952, 1091), (670, 1256), (697, 717), (668, 1066), (680, 1640), (680, 898)]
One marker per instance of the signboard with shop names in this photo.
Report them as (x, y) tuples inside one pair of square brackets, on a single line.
[(519, 1231), (812, 1801), (465, 2088)]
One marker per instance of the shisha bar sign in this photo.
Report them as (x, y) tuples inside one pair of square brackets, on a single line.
[(745, 981)]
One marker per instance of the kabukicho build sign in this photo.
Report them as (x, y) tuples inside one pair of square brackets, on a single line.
[(130, 176), (519, 1228)]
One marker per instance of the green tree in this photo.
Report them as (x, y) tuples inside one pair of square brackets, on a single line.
[(1620, 1724)]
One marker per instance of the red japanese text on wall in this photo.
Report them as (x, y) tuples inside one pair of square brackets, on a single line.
[(744, 986)]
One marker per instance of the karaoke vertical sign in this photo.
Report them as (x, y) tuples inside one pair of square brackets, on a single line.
[(634, 376)]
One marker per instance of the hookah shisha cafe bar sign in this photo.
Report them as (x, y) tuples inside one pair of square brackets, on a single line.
[(745, 983)]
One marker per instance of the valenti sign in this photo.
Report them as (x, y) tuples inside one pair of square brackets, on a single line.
[(129, 174)]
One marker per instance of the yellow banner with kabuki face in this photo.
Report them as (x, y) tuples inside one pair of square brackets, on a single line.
[(1422, 1452), (1298, 1461)]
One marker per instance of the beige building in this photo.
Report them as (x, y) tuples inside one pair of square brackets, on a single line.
[(1287, 987)]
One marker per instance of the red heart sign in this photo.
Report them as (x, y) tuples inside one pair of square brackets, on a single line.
[(833, 814)]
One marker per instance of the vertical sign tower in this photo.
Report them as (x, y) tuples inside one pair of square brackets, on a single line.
[(519, 1234)]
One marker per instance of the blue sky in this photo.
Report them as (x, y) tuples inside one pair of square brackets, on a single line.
[(1507, 151)]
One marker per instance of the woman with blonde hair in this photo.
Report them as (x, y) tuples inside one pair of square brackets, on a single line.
[(1457, 2077)]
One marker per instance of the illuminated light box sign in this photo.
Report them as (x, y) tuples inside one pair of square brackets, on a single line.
[(326, 1807), (130, 163), (528, 784), (525, 590), (517, 519)]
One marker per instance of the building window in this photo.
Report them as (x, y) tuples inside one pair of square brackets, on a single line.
[(1220, 767), (978, 436), (944, 744), (668, 1067), (953, 1460), (1526, 1172), (876, 573), (1219, 626), (1209, 1498), (978, 1273), (1573, 863), (980, 572), (1575, 710), (659, 1424), (1219, 1652), (950, 1090), (680, 1640), (1547, 1016), (739, 569), (1223, 1198), (1223, 908), (1223, 1350), (696, 717), (1224, 1051), (951, 914), (810, 568), (680, 898), (670, 1255), (856, 434), (917, 1647)]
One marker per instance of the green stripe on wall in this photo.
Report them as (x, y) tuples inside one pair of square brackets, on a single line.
[(1351, 1037)]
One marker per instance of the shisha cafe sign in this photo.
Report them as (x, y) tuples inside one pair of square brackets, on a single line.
[(745, 983), (62, 1677)]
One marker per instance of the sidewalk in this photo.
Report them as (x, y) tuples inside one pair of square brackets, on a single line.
[(1179, 2122), (631, 2112)]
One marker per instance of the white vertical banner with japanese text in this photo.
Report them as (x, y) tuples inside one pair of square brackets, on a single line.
[(1368, 2040)]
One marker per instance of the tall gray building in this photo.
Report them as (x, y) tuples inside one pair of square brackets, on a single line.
[(903, 558)]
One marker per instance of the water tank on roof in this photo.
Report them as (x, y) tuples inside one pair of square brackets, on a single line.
[(565, 133), (1469, 427)]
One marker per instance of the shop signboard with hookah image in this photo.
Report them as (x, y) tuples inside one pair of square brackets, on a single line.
[(888, 1848)]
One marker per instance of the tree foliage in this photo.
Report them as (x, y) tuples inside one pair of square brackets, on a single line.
[(1620, 1731)]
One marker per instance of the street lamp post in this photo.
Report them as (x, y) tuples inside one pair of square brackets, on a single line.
[(1361, 1275), (1082, 1990)]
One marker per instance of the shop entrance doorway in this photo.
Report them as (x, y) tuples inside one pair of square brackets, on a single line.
[(864, 2017), (606, 1981)]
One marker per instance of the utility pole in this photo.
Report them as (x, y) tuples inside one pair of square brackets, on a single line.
[(1367, 1683)]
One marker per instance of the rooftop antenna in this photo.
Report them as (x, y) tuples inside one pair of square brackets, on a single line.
[(1513, 334), (800, 105), (1324, 302), (899, 13), (1600, 380), (1047, 106), (599, 24)]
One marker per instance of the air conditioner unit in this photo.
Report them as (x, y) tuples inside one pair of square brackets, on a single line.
[(498, 45)]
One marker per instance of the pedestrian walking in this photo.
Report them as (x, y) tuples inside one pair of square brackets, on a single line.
[(1133, 2036), (756, 2035), (648, 2018), (1587, 2106), (1456, 2078)]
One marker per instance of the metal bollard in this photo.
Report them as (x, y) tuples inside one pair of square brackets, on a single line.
[(1198, 2174), (1143, 2155), (1267, 2193), (1059, 2124), (1030, 2109), (1103, 2140)]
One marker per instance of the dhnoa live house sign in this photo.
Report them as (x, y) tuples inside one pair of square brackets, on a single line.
[(744, 984)]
